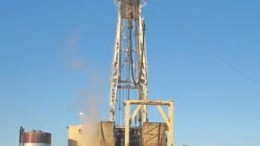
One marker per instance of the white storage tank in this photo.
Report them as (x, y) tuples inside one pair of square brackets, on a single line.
[(34, 138)]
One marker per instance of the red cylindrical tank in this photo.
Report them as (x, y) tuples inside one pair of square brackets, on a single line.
[(34, 138)]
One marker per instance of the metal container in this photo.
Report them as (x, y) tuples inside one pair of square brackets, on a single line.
[(34, 138)]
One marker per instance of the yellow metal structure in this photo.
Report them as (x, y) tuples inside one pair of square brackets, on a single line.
[(75, 135), (168, 118)]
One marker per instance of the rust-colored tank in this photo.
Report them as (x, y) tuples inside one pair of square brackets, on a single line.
[(34, 138)]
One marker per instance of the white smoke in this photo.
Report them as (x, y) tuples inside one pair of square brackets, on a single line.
[(88, 101), (91, 112)]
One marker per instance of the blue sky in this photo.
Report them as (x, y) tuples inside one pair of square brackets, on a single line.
[(204, 55)]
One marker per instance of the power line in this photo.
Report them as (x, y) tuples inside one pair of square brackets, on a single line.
[(205, 46), (216, 55)]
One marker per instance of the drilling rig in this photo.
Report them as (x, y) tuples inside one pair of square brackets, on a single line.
[(128, 123), (129, 67), (130, 80)]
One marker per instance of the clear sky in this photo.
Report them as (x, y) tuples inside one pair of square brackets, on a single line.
[(204, 55)]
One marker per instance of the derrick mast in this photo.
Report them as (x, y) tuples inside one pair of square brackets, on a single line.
[(128, 123), (129, 66)]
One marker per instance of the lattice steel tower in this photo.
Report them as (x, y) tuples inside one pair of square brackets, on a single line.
[(129, 67)]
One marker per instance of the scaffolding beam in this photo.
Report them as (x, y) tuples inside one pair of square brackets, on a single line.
[(158, 103)]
